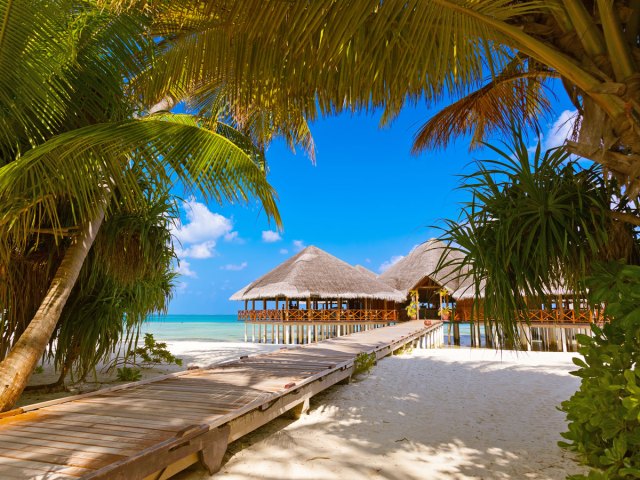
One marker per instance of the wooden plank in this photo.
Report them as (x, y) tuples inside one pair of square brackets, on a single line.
[(67, 445), (59, 456), (7, 464), (133, 412), (112, 430)]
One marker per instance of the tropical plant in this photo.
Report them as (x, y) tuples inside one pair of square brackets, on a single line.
[(604, 415), (74, 146), (495, 56), (127, 276), (535, 223), (150, 353), (412, 308), (364, 362), (128, 374)]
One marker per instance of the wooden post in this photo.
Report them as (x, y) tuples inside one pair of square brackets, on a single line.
[(246, 307)]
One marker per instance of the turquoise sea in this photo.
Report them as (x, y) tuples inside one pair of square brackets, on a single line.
[(213, 328), (227, 328)]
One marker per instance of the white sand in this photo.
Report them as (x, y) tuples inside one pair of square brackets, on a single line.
[(434, 414)]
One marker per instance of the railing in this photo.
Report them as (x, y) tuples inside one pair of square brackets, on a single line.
[(564, 316), (311, 316)]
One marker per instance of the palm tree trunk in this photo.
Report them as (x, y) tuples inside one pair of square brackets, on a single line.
[(19, 364)]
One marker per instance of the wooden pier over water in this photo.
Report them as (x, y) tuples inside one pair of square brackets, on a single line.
[(155, 428)]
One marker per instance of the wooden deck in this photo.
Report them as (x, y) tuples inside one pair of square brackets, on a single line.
[(153, 429)]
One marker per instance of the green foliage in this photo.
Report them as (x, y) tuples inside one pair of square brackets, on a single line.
[(535, 224), (364, 362), (127, 276), (129, 374), (38, 370), (406, 349), (604, 415), (154, 353), (412, 308)]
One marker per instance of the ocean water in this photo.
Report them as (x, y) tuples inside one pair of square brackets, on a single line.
[(213, 328)]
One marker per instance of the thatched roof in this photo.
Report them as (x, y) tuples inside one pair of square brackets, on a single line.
[(314, 273), (366, 271), (421, 263)]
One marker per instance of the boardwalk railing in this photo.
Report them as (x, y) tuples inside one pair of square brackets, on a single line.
[(328, 315), (564, 316)]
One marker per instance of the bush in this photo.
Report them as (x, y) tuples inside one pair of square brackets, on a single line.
[(154, 352), (129, 374), (364, 362), (604, 415)]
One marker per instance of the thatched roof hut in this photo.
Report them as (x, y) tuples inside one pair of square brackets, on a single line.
[(313, 273), (420, 264)]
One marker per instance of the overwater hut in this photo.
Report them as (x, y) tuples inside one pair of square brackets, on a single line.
[(314, 295), (417, 278)]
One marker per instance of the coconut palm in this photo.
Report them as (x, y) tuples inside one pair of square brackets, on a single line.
[(494, 56), (74, 146)]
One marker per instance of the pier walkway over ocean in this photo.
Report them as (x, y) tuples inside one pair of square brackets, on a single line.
[(154, 428)]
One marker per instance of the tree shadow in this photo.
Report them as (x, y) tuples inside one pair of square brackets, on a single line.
[(420, 417)]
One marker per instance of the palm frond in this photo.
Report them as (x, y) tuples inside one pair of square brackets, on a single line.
[(73, 167), (514, 99)]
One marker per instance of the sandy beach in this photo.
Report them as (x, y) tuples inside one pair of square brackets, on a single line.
[(432, 414)]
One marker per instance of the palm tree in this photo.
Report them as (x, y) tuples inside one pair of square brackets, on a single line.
[(496, 56), (73, 148)]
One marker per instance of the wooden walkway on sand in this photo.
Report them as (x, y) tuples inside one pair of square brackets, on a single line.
[(155, 428)]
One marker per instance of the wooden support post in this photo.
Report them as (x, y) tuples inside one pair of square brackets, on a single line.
[(212, 454), (253, 333), (296, 412)]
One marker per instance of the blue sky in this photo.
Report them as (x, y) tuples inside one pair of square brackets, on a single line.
[(367, 200)]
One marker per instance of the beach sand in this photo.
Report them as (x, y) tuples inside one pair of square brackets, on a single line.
[(432, 414)]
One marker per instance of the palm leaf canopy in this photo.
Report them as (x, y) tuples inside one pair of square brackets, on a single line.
[(323, 57)]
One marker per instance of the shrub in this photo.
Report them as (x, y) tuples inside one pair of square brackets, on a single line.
[(604, 415), (364, 362), (154, 352), (129, 374)]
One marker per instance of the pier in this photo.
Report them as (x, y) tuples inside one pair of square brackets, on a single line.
[(155, 428)]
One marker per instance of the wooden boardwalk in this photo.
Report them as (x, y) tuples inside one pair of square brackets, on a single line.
[(154, 428)]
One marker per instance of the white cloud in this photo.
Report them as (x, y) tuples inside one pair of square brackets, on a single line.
[(387, 264), (184, 268), (298, 245), (202, 224), (560, 130), (270, 236), (234, 268), (198, 236), (199, 250), (231, 236), (284, 251)]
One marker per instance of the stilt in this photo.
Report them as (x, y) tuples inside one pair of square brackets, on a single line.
[(253, 333), (245, 332)]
